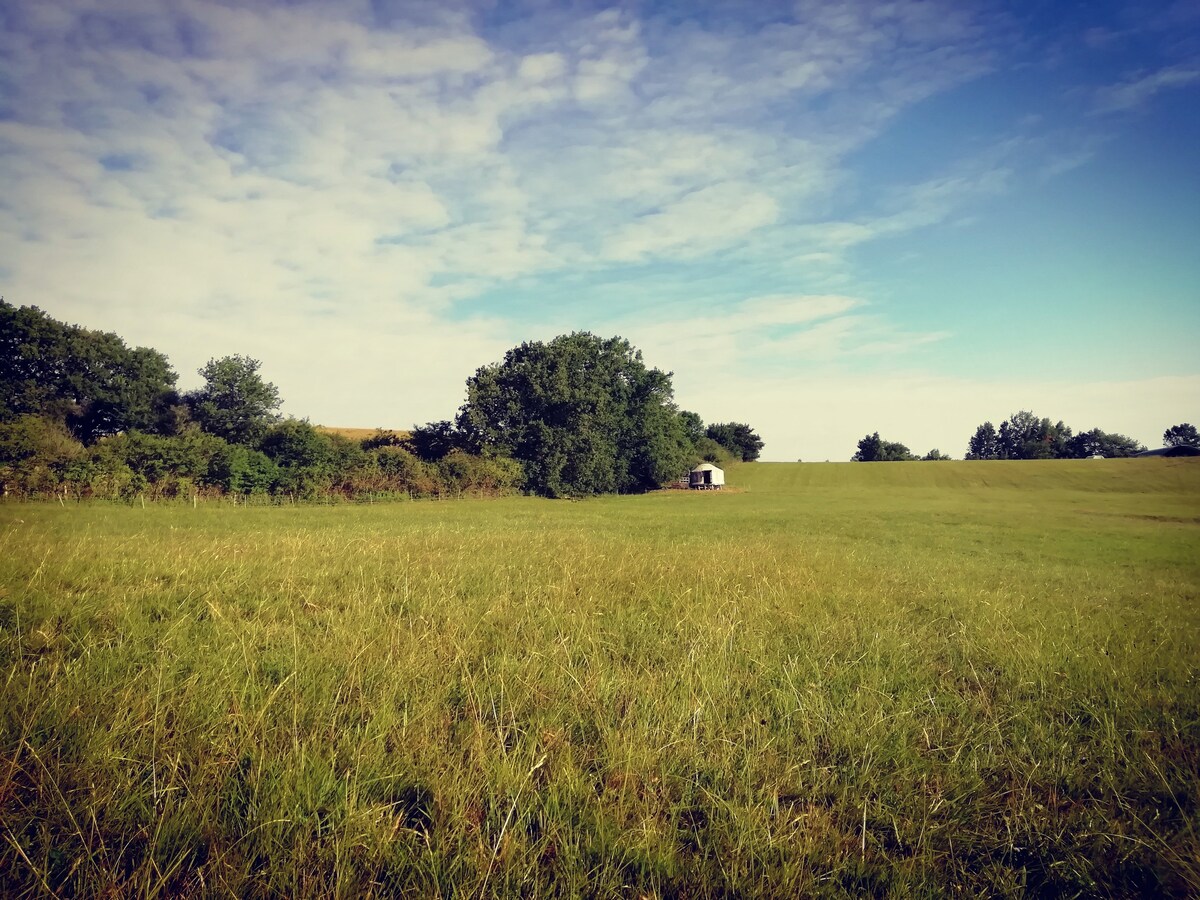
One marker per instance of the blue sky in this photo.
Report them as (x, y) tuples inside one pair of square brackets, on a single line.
[(825, 218)]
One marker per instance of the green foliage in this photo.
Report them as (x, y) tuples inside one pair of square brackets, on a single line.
[(402, 471), (241, 470), (708, 450), (306, 457), (35, 454), (235, 402), (693, 426), (1100, 443), (583, 415), (383, 438), (935, 455), (739, 439), (1183, 435), (433, 440), (297, 444), (984, 443), (464, 473), (872, 448), (89, 380), (154, 457), (1026, 436)]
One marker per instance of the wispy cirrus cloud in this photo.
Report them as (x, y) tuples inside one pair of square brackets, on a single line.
[(768, 333), (1135, 92), (308, 146), (327, 186)]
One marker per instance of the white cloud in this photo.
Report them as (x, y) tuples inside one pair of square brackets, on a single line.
[(319, 184), (764, 335), (1136, 92), (915, 206), (703, 220), (539, 67)]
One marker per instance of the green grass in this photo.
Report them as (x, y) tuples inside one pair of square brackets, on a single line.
[(912, 680)]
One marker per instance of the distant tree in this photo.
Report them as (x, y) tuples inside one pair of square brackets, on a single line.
[(433, 441), (1184, 435), (583, 415), (307, 459), (708, 450), (89, 380), (1025, 436), (985, 443), (693, 426), (1087, 444), (935, 455), (739, 439), (242, 470), (297, 444), (235, 402), (873, 448)]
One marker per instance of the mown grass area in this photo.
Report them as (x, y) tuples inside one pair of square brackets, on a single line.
[(919, 679)]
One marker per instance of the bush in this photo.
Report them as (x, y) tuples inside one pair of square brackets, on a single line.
[(241, 470), (35, 454)]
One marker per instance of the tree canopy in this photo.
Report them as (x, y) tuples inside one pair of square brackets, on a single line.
[(582, 414), (984, 443), (739, 439), (235, 402), (88, 380), (873, 448), (1024, 435), (1183, 435), (82, 412)]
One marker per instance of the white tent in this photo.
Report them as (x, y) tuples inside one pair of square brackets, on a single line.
[(706, 477)]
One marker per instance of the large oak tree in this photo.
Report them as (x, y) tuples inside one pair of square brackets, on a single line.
[(582, 414)]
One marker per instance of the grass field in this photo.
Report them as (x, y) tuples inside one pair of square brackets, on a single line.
[(930, 679)]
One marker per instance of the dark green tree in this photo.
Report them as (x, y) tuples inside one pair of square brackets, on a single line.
[(873, 448), (433, 441), (35, 453), (984, 443), (235, 402), (935, 455), (242, 470), (1100, 443), (1025, 436), (708, 450), (1183, 435), (89, 380), (307, 460), (582, 414), (693, 426), (739, 439)]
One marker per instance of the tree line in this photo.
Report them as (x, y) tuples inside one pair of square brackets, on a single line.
[(84, 415), (1024, 435)]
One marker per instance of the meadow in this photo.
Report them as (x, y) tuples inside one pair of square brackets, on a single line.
[(918, 679)]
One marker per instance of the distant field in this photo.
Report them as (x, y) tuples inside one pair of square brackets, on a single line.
[(358, 434), (912, 679)]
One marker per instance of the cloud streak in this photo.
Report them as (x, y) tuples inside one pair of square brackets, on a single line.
[(1134, 93), (332, 186)]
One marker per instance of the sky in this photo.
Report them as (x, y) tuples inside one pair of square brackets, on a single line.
[(825, 218)]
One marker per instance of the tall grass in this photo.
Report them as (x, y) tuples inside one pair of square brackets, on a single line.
[(916, 679)]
